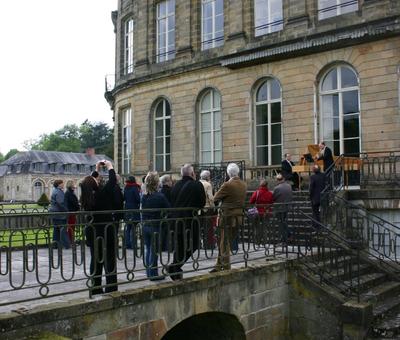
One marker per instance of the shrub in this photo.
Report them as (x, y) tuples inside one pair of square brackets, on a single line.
[(43, 200)]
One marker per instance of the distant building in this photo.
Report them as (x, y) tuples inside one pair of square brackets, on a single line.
[(26, 175), (211, 80)]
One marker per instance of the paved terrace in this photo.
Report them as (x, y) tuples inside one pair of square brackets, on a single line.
[(20, 291)]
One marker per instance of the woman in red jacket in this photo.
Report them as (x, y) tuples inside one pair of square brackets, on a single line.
[(262, 196)]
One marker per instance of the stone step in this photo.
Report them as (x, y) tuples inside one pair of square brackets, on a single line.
[(368, 281), (387, 307), (388, 328), (381, 292)]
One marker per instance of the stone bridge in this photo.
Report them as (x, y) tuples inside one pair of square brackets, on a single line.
[(266, 300)]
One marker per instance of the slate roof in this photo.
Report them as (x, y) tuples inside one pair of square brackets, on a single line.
[(51, 157), (50, 162)]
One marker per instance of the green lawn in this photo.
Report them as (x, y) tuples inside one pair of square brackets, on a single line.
[(20, 208)]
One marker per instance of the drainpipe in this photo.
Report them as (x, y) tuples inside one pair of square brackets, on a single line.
[(315, 115)]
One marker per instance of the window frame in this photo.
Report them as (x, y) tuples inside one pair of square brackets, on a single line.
[(269, 23), (215, 41), (339, 91), (212, 129), (269, 123), (168, 54), (126, 140), (166, 166), (338, 8), (128, 46)]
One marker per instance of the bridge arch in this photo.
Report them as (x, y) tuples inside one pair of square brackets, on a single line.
[(210, 326)]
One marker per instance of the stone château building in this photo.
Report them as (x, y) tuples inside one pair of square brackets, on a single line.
[(26, 175), (216, 80)]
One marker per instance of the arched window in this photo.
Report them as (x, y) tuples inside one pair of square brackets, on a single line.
[(38, 189), (268, 123), (340, 110), (162, 136), (210, 127)]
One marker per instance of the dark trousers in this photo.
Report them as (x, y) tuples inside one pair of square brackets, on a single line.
[(282, 217), (187, 238), (104, 234), (316, 214)]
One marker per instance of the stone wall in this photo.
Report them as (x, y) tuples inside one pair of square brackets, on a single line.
[(376, 64)]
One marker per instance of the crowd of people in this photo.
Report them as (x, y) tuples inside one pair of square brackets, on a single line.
[(146, 205)]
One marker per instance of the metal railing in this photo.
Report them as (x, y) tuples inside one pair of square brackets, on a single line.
[(380, 238), (264, 172), (33, 266)]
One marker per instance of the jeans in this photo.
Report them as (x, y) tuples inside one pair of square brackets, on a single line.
[(60, 233), (130, 234), (151, 235)]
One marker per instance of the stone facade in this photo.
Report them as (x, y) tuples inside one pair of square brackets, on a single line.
[(26, 175), (298, 56)]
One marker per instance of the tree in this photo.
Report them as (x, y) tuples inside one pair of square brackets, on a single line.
[(72, 138), (97, 135), (10, 153), (1, 158)]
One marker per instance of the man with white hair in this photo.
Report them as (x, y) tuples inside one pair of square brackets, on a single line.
[(186, 193), (282, 196), (232, 195)]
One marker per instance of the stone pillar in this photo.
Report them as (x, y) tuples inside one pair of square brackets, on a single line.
[(183, 29), (144, 35), (295, 15), (356, 318), (234, 28)]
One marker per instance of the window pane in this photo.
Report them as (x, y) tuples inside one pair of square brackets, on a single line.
[(330, 105), (262, 135), (206, 141), (352, 146), (275, 89), (262, 114), (217, 120), (205, 122), (219, 24), (262, 93), (275, 112), (349, 78), (330, 81), (159, 146), (219, 7), (167, 144), (162, 9), (207, 10), (168, 127), (326, 8), (171, 40), (171, 23), (262, 156), (167, 108), (276, 155), (217, 157), (206, 157), (159, 110), (336, 148), (171, 6), (206, 102), (350, 102), (217, 140), (351, 126), (348, 6), (159, 128), (159, 163), (276, 136), (331, 128), (217, 100)]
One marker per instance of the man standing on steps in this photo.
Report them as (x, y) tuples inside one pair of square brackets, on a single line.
[(317, 184), (282, 196)]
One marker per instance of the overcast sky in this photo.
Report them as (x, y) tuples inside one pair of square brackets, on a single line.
[(53, 59)]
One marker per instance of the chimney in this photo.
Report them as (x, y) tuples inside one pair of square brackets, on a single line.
[(90, 152)]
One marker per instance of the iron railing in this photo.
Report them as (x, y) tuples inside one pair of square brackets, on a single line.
[(32, 266), (380, 238)]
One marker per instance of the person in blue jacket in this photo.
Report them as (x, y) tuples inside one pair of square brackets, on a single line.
[(151, 224), (57, 205), (132, 201)]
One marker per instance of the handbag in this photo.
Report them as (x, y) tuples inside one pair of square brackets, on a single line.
[(253, 212)]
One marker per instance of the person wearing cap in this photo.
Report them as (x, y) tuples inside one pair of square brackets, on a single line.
[(282, 197), (317, 184), (132, 201)]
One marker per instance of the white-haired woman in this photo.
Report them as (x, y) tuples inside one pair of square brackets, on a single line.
[(209, 220), (153, 200)]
